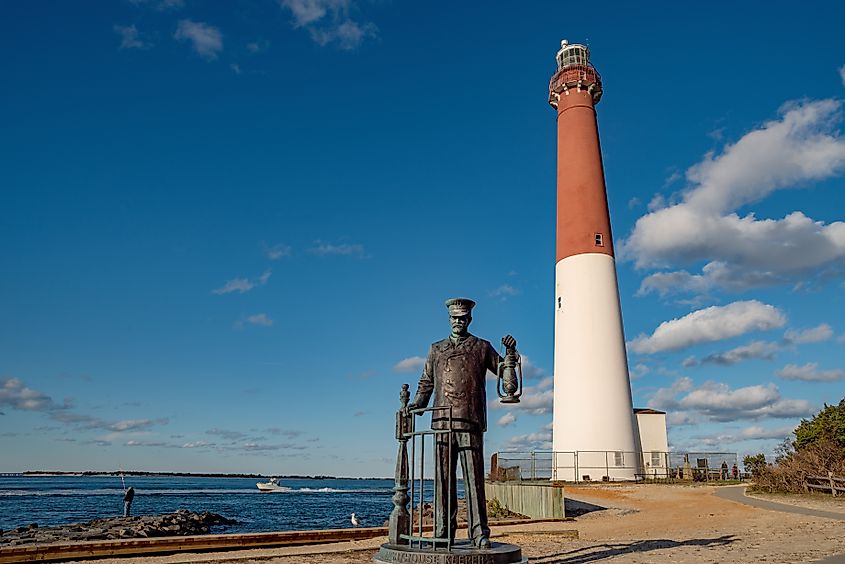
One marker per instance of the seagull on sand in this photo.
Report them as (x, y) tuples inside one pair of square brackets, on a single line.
[(355, 521)]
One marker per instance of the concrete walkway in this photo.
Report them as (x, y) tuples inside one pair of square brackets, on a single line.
[(737, 493)]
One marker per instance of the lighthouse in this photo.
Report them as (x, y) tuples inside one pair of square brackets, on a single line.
[(593, 427)]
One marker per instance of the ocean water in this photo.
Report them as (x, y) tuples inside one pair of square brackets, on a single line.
[(303, 504)]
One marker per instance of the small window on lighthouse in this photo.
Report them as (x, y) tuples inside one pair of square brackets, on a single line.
[(599, 240), (618, 458)]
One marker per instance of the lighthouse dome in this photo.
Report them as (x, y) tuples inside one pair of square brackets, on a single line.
[(572, 54)]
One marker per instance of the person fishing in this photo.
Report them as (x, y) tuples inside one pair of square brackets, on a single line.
[(128, 496)]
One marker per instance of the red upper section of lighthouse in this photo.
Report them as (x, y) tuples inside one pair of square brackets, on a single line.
[(576, 76), (574, 71), (583, 220)]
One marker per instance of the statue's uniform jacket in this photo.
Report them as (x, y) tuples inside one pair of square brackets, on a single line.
[(456, 374)]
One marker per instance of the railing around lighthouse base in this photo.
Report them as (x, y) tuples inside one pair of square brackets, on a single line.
[(607, 465)]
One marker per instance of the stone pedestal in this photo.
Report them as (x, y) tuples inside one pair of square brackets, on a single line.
[(462, 553)]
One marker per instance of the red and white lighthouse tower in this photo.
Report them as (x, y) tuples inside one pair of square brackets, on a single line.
[(593, 429)]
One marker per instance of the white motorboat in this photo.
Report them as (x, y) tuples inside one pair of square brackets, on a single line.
[(272, 486)]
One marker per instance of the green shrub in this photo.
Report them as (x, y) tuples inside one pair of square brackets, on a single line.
[(818, 448)]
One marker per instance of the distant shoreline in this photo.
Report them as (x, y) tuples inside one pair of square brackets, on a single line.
[(54, 473)]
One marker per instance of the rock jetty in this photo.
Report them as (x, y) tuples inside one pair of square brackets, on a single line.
[(180, 523)]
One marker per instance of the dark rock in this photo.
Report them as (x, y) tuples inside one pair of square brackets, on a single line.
[(180, 523)]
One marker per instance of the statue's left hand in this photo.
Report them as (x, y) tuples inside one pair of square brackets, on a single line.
[(509, 342)]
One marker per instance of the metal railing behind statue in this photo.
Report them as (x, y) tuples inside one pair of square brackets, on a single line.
[(401, 523)]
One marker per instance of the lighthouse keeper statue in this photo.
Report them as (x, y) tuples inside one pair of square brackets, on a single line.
[(456, 372)]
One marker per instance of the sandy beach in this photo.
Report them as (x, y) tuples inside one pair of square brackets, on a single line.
[(623, 523)]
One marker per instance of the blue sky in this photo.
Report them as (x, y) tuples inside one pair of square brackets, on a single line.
[(228, 231)]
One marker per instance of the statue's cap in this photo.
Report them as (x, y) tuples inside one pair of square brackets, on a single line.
[(460, 306)]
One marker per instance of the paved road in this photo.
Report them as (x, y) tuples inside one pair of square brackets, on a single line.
[(737, 493)]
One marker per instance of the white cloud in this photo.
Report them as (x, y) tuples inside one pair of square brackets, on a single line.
[(535, 400), (97, 442), (664, 283), (506, 419), (842, 74), (137, 443), (14, 394), (810, 373), (343, 249), (689, 362), (716, 398), (242, 285), (711, 324), (328, 22), (348, 34), (638, 371), (410, 364), (161, 5), (813, 335), (718, 402), (800, 147), (755, 432), (658, 201), (197, 444), (130, 38), (709, 442), (758, 432), (504, 292), (680, 418), (309, 11), (756, 349), (133, 424), (259, 319), (226, 434), (672, 178), (665, 398), (531, 371), (257, 46), (765, 350), (541, 440), (290, 433), (206, 39), (278, 251)]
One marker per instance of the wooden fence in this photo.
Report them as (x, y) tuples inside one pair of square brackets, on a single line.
[(829, 483)]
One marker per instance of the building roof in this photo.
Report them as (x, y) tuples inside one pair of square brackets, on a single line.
[(648, 411)]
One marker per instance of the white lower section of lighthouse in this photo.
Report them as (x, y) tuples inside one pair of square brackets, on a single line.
[(593, 425)]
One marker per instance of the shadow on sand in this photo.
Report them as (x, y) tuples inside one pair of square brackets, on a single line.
[(575, 508), (602, 551)]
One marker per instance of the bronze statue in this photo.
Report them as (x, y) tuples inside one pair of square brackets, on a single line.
[(455, 372)]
